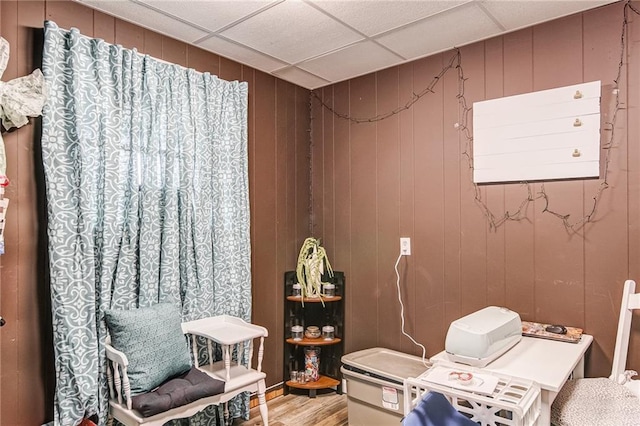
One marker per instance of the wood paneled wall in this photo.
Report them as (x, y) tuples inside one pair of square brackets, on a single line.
[(279, 196), (369, 185), (407, 176)]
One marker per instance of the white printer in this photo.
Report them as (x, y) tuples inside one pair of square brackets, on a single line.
[(482, 336)]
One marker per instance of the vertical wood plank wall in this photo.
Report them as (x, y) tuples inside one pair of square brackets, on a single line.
[(369, 185), (406, 176), (279, 196)]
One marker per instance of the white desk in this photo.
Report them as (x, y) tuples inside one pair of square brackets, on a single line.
[(547, 362)]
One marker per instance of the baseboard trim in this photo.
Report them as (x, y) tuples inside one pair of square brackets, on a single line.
[(269, 395)]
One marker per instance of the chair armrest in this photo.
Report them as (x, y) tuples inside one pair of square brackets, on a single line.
[(115, 355), (119, 386)]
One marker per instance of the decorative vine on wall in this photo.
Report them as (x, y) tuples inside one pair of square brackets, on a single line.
[(496, 220)]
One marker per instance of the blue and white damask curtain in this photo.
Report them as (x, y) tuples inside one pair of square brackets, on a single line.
[(147, 189)]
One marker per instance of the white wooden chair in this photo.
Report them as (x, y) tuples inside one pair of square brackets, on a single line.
[(234, 335), (611, 401)]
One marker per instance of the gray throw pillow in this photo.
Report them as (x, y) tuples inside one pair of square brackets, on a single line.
[(153, 342)]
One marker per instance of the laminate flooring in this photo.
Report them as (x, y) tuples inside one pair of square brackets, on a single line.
[(299, 410)]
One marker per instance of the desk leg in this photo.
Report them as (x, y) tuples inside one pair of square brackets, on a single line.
[(578, 371), (546, 399)]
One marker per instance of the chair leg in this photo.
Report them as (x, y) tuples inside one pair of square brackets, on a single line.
[(262, 401), (226, 414)]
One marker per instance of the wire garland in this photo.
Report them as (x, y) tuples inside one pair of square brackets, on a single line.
[(519, 214)]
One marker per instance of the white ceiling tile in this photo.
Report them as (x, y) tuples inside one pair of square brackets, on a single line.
[(292, 31), (383, 15), (354, 60), (145, 17), (518, 14), (212, 15), (241, 54), (454, 28), (300, 77)]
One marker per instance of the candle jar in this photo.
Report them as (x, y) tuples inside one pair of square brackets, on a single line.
[(329, 290), (297, 332), (312, 332), (328, 332)]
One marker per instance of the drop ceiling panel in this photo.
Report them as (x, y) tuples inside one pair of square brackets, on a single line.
[(354, 60), (300, 77), (148, 18), (441, 32), (211, 15), (383, 15), (241, 54), (292, 31), (518, 14)]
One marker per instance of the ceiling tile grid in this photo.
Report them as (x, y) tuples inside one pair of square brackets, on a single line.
[(314, 43)]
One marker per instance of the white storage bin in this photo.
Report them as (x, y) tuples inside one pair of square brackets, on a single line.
[(374, 379)]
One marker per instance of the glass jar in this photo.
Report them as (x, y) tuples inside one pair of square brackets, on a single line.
[(328, 332), (297, 290), (296, 332), (312, 363), (329, 290)]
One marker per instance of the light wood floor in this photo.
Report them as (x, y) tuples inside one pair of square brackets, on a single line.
[(299, 410)]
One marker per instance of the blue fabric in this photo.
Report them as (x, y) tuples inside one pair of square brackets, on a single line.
[(147, 195), (436, 410)]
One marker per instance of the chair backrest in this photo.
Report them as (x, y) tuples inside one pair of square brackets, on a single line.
[(630, 301)]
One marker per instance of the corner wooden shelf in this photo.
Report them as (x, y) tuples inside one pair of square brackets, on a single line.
[(314, 342), (314, 299), (323, 382), (314, 311)]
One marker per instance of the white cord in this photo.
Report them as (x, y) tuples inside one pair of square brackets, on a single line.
[(424, 350)]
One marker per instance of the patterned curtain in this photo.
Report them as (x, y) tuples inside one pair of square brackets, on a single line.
[(147, 188)]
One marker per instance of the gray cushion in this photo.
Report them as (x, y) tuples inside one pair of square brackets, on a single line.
[(597, 402), (153, 341), (179, 391)]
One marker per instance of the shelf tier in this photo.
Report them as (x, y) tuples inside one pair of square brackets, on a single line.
[(323, 382), (314, 299), (314, 342)]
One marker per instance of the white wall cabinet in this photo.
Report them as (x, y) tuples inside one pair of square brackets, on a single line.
[(550, 134)]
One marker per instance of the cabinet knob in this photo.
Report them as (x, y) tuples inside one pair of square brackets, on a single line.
[(2, 322)]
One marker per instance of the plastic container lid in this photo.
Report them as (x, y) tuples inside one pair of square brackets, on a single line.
[(388, 363)]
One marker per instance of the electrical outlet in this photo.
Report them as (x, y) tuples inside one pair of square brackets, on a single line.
[(405, 246)]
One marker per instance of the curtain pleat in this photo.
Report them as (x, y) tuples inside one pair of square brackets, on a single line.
[(147, 188)]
